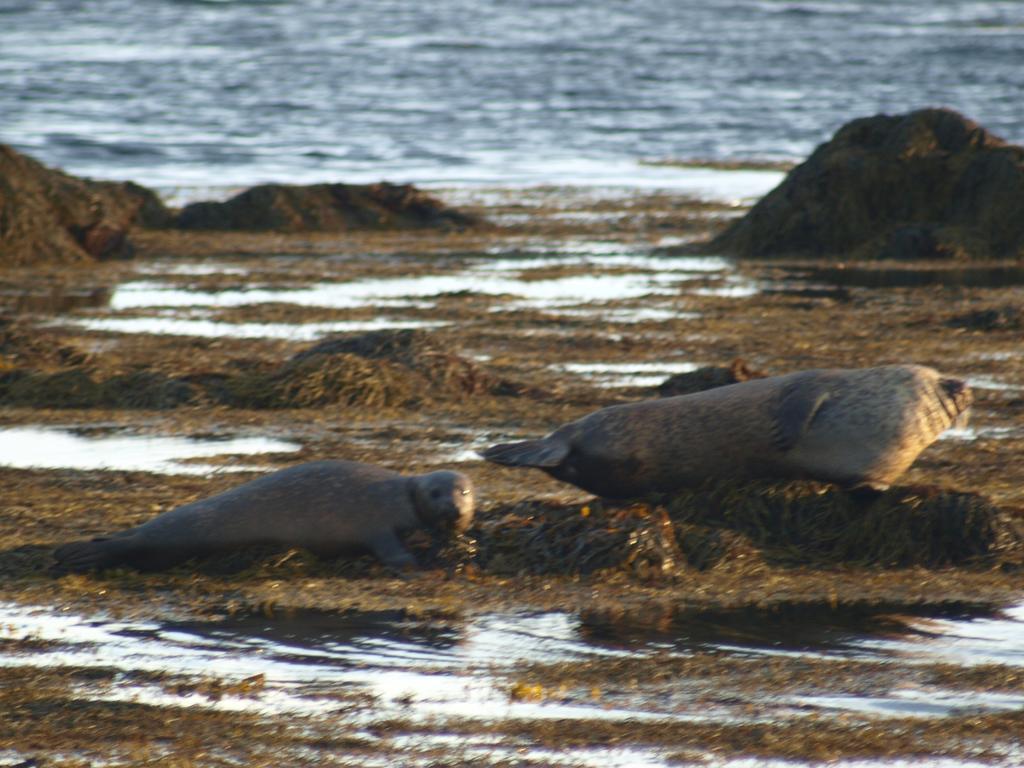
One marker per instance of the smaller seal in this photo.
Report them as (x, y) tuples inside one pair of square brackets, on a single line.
[(327, 507)]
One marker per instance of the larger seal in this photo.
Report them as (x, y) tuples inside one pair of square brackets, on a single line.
[(854, 427), (327, 507)]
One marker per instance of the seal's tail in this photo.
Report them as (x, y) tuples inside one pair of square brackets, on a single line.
[(529, 453), (94, 555)]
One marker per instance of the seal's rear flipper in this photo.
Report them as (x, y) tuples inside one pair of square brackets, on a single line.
[(95, 555), (529, 453)]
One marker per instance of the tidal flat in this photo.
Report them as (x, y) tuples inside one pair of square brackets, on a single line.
[(563, 631)]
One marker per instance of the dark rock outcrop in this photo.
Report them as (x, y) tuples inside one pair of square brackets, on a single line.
[(1008, 317), (930, 184), (49, 216), (325, 208)]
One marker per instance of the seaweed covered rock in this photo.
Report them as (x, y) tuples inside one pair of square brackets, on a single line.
[(50, 216), (538, 537), (808, 523), (377, 370), (422, 354), (78, 388), (708, 377), (324, 208), (345, 379), (23, 345), (753, 526), (929, 184), (380, 369)]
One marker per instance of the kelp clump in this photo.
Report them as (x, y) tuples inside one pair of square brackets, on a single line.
[(1008, 317), (421, 354), (374, 370), (378, 369), (22, 345), (535, 537), (806, 523), (757, 525), (78, 388), (315, 382)]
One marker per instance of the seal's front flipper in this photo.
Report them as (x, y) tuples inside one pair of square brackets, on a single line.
[(529, 453), (800, 401), (390, 551), (957, 399)]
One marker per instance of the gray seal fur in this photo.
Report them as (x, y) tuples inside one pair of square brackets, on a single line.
[(327, 507), (854, 427)]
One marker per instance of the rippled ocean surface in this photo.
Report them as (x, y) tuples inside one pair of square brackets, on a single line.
[(232, 92)]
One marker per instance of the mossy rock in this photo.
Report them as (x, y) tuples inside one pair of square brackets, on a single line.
[(426, 358), (753, 527), (324, 208), (346, 380), (809, 523), (77, 388), (929, 184), (318, 380), (50, 216), (1008, 317)]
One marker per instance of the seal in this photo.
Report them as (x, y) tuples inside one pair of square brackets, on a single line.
[(328, 507), (853, 427)]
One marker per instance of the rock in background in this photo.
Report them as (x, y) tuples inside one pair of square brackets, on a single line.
[(324, 208), (930, 184), (49, 216)]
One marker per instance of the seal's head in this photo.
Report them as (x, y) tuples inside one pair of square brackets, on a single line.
[(444, 499)]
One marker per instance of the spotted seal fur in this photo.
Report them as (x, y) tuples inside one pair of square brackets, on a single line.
[(853, 427), (327, 507)]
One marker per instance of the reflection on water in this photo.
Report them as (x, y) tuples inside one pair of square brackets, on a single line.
[(585, 278), (802, 629), (974, 433), (369, 667), (504, 277), (988, 382), (38, 447), (628, 374), (176, 326)]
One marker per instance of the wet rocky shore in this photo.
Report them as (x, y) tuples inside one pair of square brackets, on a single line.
[(658, 628)]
